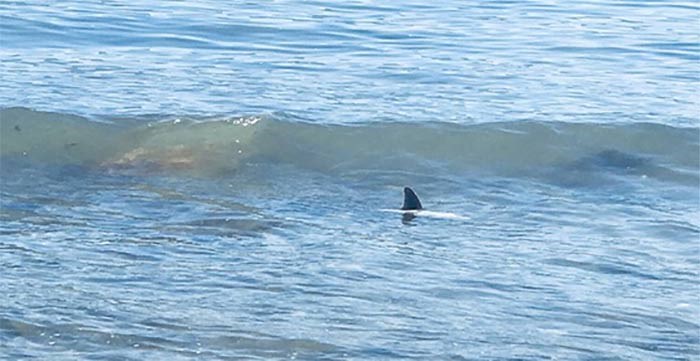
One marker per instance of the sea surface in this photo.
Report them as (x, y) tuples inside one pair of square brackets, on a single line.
[(207, 180)]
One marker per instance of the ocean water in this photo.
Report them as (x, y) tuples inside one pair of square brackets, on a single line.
[(198, 180)]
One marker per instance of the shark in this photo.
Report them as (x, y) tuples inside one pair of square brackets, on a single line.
[(412, 208), (410, 200)]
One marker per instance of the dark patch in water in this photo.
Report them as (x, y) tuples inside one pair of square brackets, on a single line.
[(230, 227), (605, 268), (613, 159), (600, 168)]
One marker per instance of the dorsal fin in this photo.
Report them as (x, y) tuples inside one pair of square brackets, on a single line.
[(410, 200)]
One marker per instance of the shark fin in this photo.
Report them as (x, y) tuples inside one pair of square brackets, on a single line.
[(410, 200)]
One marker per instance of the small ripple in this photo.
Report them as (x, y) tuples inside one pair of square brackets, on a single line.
[(604, 268), (226, 227)]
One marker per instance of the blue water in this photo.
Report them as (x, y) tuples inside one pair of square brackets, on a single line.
[(455, 61), (196, 180)]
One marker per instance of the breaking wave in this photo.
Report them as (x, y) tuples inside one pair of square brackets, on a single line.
[(209, 146)]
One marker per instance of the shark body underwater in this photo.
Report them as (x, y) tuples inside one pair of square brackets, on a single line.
[(412, 208)]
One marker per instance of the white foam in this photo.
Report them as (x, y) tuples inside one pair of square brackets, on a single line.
[(429, 214)]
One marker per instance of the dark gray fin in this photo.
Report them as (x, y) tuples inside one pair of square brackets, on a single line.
[(410, 200)]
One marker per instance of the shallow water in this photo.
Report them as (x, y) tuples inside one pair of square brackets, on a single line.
[(188, 181)]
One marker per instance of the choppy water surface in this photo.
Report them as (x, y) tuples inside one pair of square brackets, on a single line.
[(462, 61), (187, 180)]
